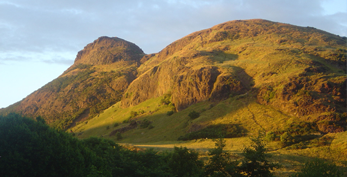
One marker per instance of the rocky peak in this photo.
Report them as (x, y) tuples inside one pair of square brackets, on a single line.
[(107, 50)]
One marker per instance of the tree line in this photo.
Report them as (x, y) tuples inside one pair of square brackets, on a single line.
[(31, 148)]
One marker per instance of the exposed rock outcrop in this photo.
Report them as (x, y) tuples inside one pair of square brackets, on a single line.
[(106, 50)]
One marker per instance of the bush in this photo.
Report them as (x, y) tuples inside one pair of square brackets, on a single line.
[(169, 113), (150, 126), (133, 114), (270, 136), (319, 168), (194, 114), (214, 131), (145, 123), (116, 124), (166, 99), (119, 136), (286, 139)]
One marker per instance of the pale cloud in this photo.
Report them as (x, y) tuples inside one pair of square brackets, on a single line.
[(69, 25)]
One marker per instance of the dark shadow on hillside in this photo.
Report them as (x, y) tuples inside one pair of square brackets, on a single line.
[(218, 56)]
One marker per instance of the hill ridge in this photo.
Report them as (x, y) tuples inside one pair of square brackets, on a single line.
[(297, 70)]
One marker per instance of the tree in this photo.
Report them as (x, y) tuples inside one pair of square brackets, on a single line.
[(219, 163), (32, 148), (183, 162), (255, 163)]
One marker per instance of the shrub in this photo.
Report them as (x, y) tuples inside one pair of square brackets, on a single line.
[(270, 136), (318, 168), (150, 126), (286, 139), (116, 124), (194, 114), (119, 136), (145, 123), (166, 99), (302, 128), (214, 131), (108, 127), (133, 114), (169, 113)]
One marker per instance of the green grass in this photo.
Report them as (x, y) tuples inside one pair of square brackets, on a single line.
[(245, 112)]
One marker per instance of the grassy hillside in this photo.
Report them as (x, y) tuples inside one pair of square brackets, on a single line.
[(240, 110), (235, 80)]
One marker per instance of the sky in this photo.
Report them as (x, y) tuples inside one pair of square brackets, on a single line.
[(39, 39)]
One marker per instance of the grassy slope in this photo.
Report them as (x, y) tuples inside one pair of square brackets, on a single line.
[(233, 110)]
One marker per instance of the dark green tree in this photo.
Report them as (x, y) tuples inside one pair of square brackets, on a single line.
[(32, 148), (255, 162), (183, 162), (220, 163)]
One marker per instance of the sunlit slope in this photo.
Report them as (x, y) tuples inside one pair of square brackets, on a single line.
[(97, 80), (299, 71), (245, 112)]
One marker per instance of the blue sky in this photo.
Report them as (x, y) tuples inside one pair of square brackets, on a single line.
[(39, 39)]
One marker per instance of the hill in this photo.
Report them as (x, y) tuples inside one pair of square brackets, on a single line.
[(248, 75), (299, 71), (97, 79)]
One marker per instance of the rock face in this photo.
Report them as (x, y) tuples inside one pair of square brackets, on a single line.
[(298, 70), (186, 84), (106, 50)]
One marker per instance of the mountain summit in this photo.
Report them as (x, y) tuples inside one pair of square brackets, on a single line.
[(106, 50)]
